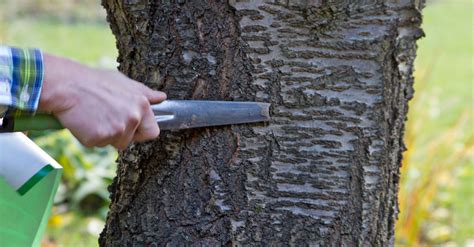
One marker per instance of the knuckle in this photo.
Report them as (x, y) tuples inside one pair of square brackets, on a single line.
[(99, 135), (88, 142), (133, 119), (143, 103), (96, 137), (117, 129)]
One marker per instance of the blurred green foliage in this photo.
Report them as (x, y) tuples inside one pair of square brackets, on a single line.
[(64, 11), (436, 191), (92, 44), (437, 185), (87, 172), (81, 202)]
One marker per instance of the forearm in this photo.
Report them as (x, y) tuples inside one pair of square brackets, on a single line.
[(60, 75)]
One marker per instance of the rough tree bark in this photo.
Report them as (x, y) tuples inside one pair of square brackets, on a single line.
[(324, 171)]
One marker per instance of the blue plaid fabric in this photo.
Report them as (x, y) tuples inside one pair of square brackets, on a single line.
[(21, 78)]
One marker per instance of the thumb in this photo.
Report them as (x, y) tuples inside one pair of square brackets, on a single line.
[(148, 128)]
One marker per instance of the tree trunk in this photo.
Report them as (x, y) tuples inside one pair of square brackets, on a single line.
[(323, 172)]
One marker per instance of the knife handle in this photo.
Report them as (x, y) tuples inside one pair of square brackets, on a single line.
[(39, 121)]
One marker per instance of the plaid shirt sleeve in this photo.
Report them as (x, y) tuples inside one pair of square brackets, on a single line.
[(21, 78)]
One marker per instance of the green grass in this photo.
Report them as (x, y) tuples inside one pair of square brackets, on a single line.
[(446, 54), (92, 44), (463, 202), (437, 188)]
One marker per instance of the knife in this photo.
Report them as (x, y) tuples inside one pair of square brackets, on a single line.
[(169, 114)]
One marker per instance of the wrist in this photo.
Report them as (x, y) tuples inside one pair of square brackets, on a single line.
[(56, 91)]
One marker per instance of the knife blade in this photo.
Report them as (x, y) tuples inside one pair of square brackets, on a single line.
[(186, 114), (169, 114)]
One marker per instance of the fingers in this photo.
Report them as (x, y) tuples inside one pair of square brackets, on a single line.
[(156, 97), (126, 137), (153, 96), (138, 126), (148, 128), (142, 126), (111, 115)]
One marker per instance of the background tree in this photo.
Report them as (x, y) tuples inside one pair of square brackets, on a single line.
[(324, 171)]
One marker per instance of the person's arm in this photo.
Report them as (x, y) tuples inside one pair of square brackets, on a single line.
[(99, 107), (21, 77)]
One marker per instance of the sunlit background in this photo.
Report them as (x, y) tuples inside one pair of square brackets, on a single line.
[(437, 185)]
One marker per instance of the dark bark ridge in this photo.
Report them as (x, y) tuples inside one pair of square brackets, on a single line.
[(325, 170)]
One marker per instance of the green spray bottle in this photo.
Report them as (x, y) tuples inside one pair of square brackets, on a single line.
[(29, 179)]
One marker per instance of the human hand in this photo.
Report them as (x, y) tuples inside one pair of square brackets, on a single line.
[(99, 107)]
